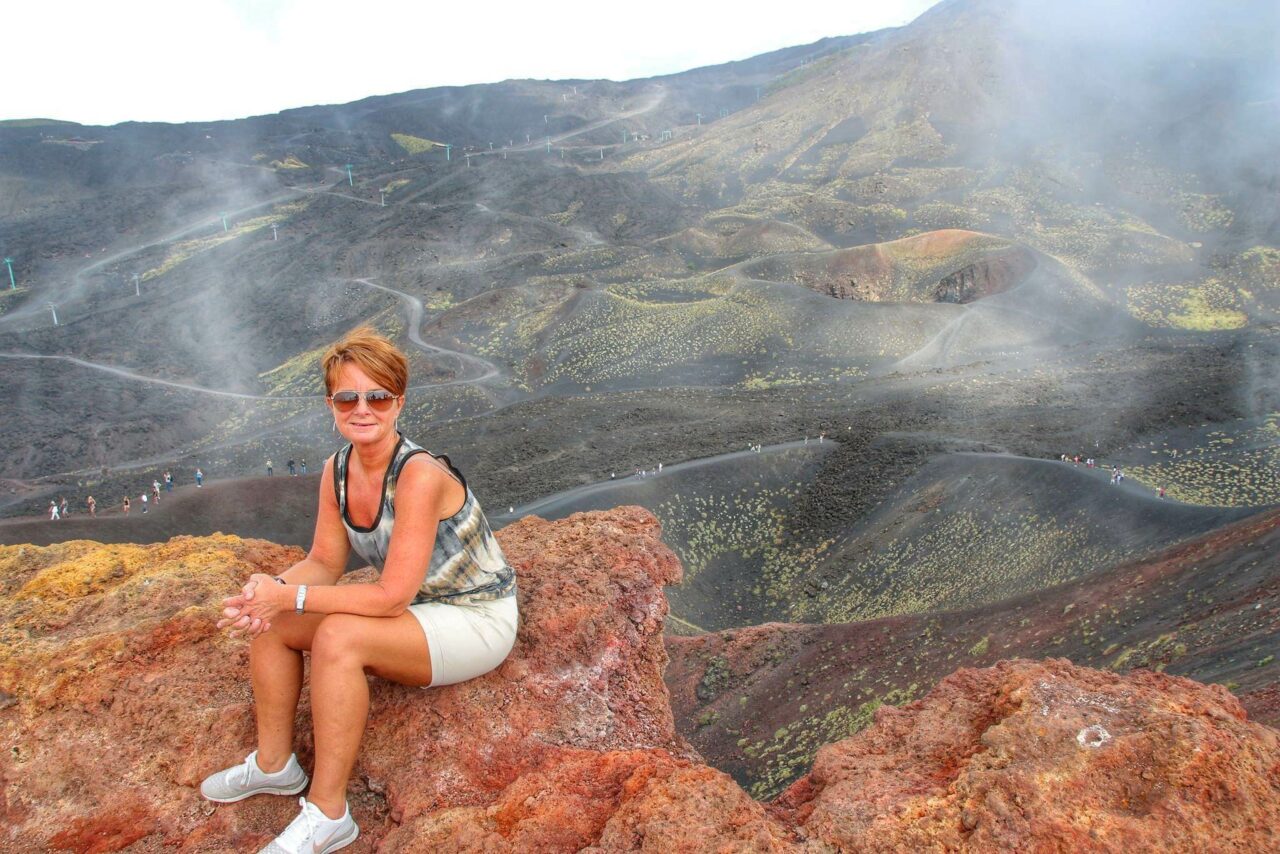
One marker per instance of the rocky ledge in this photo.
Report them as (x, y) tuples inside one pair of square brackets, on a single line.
[(117, 695)]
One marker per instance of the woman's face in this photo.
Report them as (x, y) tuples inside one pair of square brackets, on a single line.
[(363, 425)]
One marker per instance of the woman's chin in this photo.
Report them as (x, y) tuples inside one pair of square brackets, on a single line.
[(361, 435)]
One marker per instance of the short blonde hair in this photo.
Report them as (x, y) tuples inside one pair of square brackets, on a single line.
[(370, 352)]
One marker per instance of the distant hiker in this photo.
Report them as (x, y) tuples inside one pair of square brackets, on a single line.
[(437, 615), (155, 490), (293, 468), (270, 470), (126, 505), (168, 481), (1160, 492), (62, 507), (659, 466), (612, 475), (199, 478), (144, 502), (93, 506), (53, 510), (304, 466)]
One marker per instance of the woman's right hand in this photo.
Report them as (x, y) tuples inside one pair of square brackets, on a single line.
[(236, 621)]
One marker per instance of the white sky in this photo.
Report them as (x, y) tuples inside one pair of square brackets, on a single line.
[(99, 62)]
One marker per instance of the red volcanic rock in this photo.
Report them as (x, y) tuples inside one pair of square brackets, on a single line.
[(1047, 756), (117, 695)]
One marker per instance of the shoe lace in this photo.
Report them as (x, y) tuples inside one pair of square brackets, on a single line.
[(293, 838), (246, 771)]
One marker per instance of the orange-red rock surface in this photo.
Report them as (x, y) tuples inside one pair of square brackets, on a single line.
[(119, 695)]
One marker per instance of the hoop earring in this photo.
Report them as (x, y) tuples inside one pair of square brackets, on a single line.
[(335, 424)]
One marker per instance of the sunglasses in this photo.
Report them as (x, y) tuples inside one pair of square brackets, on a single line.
[(379, 400)]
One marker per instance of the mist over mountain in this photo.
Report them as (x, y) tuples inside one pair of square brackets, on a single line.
[(913, 267)]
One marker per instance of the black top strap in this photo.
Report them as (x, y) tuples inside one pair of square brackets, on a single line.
[(340, 476)]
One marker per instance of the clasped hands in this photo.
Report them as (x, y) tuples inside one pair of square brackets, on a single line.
[(251, 611)]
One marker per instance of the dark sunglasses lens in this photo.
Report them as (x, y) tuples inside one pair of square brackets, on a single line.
[(380, 400), (345, 400)]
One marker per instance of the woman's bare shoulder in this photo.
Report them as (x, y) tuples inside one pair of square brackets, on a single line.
[(425, 468)]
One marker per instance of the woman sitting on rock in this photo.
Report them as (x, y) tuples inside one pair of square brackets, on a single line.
[(442, 610)]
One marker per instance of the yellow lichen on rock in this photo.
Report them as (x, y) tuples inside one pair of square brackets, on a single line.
[(95, 590)]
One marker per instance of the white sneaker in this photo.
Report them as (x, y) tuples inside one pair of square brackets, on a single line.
[(313, 832), (247, 779)]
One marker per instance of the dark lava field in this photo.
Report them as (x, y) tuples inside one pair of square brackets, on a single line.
[(915, 267)]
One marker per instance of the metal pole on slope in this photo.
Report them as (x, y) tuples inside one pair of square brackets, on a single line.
[(224, 223), (137, 287), (350, 181), (8, 262), (53, 308)]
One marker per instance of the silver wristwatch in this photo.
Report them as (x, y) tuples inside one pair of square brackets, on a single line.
[(300, 602)]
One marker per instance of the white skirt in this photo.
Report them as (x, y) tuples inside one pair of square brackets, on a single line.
[(467, 640)]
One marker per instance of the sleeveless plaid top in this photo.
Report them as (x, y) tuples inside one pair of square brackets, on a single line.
[(466, 563)]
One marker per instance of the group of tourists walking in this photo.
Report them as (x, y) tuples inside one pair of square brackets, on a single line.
[(1117, 473), (61, 508), (295, 467)]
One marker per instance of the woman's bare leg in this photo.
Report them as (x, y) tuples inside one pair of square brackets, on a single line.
[(344, 647), (275, 662)]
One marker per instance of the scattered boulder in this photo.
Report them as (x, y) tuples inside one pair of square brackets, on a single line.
[(1047, 756)]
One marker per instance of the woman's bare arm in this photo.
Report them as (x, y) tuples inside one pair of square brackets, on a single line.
[(420, 495), (330, 548)]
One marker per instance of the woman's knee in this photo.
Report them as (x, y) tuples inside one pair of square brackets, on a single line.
[(293, 633), (336, 641)]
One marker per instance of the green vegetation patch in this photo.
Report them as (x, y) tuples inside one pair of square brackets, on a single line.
[(298, 376), (186, 249), (1246, 478), (415, 144), (1156, 653), (289, 162), (1203, 306), (789, 753), (1202, 213), (964, 559)]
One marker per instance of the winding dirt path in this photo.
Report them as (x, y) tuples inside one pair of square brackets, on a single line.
[(130, 375), (416, 310)]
